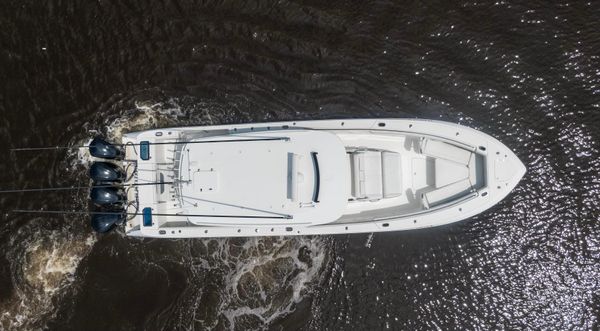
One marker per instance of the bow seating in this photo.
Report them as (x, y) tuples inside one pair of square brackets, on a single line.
[(375, 174), (455, 171)]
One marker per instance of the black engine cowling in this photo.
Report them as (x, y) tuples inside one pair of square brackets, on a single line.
[(103, 149), (104, 196), (104, 172), (103, 223)]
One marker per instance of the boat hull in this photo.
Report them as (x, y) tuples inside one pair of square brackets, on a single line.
[(500, 166)]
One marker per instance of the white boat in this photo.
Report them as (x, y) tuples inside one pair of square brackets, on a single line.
[(311, 177)]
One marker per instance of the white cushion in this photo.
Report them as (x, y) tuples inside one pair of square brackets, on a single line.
[(392, 174), (367, 177), (350, 191), (442, 150), (446, 193), (448, 172), (292, 176)]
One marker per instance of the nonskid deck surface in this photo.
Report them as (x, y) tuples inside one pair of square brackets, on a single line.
[(297, 177), (376, 175)]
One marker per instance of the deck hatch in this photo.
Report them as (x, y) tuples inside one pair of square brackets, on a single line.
[(147, 216), (145, 150)]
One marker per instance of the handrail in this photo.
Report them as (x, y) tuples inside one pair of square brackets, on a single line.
[(317, 176)]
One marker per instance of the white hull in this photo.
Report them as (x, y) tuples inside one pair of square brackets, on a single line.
[(372, 175)]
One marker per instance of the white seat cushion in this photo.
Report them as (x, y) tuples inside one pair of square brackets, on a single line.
[(367, 177), (446, 193), (442, 150), (392, 174), (448, 172), (350, 191)]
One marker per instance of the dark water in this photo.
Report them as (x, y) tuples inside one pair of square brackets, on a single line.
[(527, 73)]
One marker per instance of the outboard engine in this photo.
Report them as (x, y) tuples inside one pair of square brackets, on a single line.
[(104, 172), (104, 196), (103, 223), (105, 150)]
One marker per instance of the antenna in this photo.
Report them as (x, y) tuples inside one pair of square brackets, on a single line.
[(78, 212), (24, 149), (42, 189)]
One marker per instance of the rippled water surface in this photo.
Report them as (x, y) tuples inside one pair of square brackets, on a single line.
[(527, 73)]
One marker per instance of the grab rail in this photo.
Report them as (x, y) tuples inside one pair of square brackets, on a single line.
[(317, 176)]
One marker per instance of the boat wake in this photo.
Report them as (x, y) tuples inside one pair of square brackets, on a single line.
[(244, 284), (43, 265)]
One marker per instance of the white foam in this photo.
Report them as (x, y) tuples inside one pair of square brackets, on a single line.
[(47, 263), (298, 276)]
